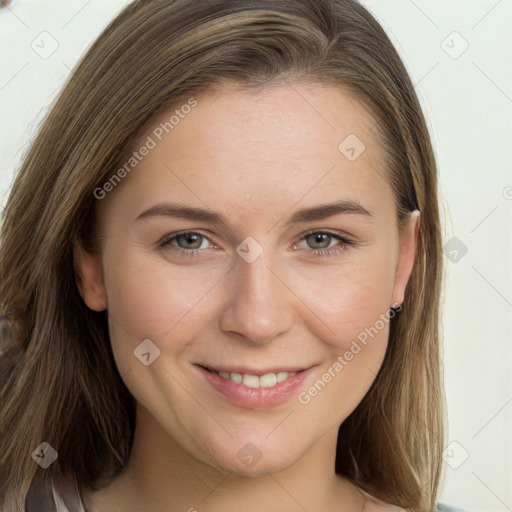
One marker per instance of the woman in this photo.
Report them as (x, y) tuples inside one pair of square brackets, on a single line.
[(254, 368)]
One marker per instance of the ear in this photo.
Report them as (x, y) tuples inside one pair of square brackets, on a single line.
[(407, 254), (89, 277)]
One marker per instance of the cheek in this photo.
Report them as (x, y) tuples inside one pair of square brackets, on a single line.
[(355, 307), (150, 298), (348, 298), (146, 301)]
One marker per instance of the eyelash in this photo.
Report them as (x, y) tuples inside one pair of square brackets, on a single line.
[(317, 253)]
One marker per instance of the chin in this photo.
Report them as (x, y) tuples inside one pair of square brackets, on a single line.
[(261, 468), (253, 458)]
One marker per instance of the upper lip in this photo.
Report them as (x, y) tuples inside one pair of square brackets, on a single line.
[(254, 371)]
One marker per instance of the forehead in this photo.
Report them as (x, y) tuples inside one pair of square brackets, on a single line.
[(260, 150)]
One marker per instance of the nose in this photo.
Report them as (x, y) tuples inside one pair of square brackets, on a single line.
[(259, 306)]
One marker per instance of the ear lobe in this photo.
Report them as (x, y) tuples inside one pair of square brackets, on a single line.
[(89, 278), (407, 255)]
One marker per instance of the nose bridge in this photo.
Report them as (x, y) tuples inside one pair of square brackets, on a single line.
[(258, 307), (254, 279)]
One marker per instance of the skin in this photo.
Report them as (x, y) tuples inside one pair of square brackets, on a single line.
[(255, 157)]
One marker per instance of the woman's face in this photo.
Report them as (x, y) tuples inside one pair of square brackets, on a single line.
[(287, 294)]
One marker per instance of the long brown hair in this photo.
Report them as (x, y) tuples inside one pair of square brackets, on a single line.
[(59, 383)]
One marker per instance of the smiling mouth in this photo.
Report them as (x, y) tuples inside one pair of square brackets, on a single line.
[(266, 380)]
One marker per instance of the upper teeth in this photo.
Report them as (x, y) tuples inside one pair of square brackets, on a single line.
[(253, 381)]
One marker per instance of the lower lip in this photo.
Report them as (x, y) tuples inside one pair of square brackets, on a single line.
[(255, 398)]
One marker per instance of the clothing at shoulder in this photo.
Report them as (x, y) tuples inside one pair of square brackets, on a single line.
[(60, 496), (442, 507), (66, 495)]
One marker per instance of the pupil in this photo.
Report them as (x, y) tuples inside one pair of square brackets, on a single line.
[(189, 237), (318, 237)]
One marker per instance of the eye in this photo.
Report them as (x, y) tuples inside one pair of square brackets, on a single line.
[(185, 242), (191, 243), (324, 240)]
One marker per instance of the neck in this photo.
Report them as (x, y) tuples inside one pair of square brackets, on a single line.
[(162, 476)]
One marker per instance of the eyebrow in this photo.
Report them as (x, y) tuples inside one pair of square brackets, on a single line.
[(310, 214)]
